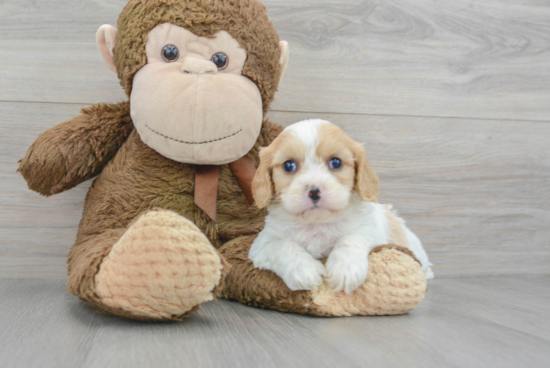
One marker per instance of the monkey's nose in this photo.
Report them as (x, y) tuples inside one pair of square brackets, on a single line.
[(198, 66), (315, 194)]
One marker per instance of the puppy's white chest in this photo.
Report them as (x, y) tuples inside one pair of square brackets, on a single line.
[(318, 239), (320, 250)]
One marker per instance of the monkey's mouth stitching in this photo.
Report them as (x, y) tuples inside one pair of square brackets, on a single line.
[(205, 142)]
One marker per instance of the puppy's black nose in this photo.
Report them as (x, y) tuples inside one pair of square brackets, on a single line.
[(315, 195)]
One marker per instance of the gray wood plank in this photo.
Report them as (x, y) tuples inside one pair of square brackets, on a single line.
[(222, 335), (440, 333), (42, 326), (515, 303), (35, 252), (476, 192), (451, 58)]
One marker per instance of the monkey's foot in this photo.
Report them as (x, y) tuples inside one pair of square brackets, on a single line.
[(162, 268), (395, 285)]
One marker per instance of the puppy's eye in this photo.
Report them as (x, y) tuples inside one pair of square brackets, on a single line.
[(335, 163), (170, 53), (290, 166), (221, 60)]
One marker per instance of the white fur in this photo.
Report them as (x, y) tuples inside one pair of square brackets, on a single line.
[(343, 228)]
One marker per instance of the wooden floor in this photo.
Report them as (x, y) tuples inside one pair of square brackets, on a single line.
[(482, 322), (452, 101)]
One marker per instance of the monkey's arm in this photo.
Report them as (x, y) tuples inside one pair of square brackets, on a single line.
[(76, 150)]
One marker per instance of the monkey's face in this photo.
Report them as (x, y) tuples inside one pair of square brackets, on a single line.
[(190, 102)]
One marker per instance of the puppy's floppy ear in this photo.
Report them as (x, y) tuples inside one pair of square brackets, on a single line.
[(262, 184), (366, 181)]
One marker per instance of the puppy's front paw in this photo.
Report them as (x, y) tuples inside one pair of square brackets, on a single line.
[(346, 269), (303, 273)]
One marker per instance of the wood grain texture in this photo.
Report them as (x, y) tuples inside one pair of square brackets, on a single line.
[(466, 58), (458, 325), (476, 192), (518, 308)]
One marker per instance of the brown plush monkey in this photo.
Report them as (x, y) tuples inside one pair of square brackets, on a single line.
[(168, 222)]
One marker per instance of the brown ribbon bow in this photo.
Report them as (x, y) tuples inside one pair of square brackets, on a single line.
[(206, 183)]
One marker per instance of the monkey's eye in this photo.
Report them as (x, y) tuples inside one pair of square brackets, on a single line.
[(290, 166), (335, 163), (221, 60), (170, 53)]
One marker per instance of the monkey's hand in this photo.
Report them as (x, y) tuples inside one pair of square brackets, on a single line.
[(76, 150)]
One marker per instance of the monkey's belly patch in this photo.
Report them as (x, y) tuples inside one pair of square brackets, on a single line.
[(162, 266), (185, 142)]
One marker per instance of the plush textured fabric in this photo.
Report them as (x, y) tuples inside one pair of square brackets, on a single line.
[(163, 266), (144, 249), (137, 180), (198, 117), (395, 285), (244, 20), (76, 150)]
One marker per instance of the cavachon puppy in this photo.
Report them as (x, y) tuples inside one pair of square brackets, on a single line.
[(325, 205)]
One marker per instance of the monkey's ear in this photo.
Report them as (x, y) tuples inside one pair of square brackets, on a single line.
[(285, 54), (106, 40)]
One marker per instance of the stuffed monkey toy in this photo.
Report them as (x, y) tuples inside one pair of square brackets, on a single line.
[(169, 220)]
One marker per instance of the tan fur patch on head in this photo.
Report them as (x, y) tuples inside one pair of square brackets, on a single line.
[(333, 139), (288, 147), (334, 143), (270, 178)]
